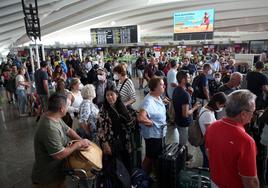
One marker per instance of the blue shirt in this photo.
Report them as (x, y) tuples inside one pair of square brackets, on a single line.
[(156, 112), (180, 98)]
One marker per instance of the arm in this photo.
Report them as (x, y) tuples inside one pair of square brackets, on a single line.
[(143, 118), (73, 135), (186, 112), (206, 92), (45, 84), (81, 144), (250, 182), (131, 101)]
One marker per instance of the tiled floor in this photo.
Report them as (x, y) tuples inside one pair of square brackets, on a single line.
[(16, 147)]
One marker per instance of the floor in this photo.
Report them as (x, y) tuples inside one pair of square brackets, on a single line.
[(16, 147)]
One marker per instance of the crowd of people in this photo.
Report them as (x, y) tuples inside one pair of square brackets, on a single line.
[(93, 102)]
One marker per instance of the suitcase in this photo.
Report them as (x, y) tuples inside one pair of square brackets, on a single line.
[(194, 178), (171, 162)]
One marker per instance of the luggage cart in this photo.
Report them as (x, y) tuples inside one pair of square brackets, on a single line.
[(79, 176)]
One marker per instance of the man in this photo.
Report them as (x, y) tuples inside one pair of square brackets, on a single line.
[(150, 70), (231, 151), (257, 83), (233, 84), (140, 66), (41, 83), (191, 68), (87, 65), (171, 78), (200, 84), (101, 85), (183, 108), (215, 65), (50, 145)]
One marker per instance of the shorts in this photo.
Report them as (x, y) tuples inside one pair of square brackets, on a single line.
[(140, 73), (153, 147)]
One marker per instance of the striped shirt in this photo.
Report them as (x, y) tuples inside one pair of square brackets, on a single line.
[(127, 92)]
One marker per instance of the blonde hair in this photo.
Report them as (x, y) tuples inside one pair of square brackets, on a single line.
[(88, 92)]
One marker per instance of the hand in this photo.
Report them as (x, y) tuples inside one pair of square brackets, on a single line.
[(166, 100), (197, 105), (149, 124), (83, 144), (190, 90), (107, 149)]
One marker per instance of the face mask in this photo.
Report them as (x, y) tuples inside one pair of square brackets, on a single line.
[(101, 77), (220, 109), (80, 86), (116, 77), (217, 80), (210, 71)]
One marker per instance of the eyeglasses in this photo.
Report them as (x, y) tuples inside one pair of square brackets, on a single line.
[(250, 111)]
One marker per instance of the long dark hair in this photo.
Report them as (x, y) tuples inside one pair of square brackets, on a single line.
[(217, 98), (119, 105)]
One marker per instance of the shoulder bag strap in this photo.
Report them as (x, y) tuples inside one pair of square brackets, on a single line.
[(123, 85)]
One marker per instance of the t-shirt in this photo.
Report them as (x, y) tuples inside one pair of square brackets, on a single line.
[(50, 138), (225, 89), (20, 78), (191, 68), (39, 77), (255, 81), (232, 153), (206, 116), (180, 98), (127, 92), (171, 78), (156, 112)]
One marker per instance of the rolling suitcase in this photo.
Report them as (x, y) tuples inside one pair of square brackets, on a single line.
[(171, 162), (194, 178)]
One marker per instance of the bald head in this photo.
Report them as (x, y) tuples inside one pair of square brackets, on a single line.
[(236, 79)]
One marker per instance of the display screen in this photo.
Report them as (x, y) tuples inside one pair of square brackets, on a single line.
[(194, 21), (114, 35)]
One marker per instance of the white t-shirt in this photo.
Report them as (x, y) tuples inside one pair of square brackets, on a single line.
[(206, 116), (171, 78), (20, 78)]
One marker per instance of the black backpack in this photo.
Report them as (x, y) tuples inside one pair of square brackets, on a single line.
[(198, 89)]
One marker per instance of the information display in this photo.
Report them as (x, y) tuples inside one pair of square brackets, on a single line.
[(114, 35), (194, 25)]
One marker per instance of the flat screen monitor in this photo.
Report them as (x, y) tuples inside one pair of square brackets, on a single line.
[(194, 25)]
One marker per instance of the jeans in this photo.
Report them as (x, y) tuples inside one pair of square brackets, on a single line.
[(22, 100), (183, 132), (205, 158)]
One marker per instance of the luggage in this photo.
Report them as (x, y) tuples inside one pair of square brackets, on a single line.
[(194, 178), (171, 162), (139, 179)]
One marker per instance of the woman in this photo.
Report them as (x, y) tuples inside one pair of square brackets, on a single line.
[(88, 111), (125, 87), (207, 116), (113, 134), (73, 109), (58, 74), (21, 85), (5, 77), (152, 118), (61, 88)]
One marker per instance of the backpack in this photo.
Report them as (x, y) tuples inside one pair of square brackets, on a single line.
[(198, 90), (195, 136)]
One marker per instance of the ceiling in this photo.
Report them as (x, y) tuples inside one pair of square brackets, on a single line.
[(69, 21)]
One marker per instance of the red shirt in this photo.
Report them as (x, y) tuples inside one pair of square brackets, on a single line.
[(232, 153)]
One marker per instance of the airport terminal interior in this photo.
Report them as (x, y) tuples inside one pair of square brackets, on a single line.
[(133, 94)]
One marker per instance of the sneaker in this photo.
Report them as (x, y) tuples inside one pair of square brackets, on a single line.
[(189, 157)]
